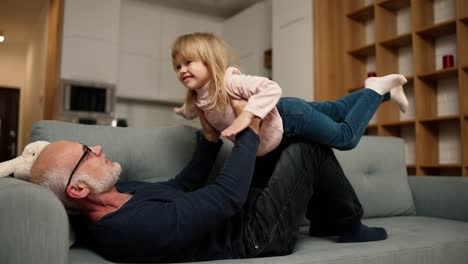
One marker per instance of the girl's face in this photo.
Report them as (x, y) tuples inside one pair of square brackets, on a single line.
[(192, 74)]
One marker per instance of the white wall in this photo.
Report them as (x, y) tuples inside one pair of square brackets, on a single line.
[(293, 48), (13, 64), (249, 35)]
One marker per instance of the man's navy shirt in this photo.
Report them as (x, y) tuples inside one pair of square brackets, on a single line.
[(180, 219)]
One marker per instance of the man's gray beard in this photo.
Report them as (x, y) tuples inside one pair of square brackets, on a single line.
[(105, 183)]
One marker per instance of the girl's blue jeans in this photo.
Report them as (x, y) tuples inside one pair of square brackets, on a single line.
[(339, 124)]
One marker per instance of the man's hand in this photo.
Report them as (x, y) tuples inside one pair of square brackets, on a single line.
[(239, 124), (243, 120), (209, 132)]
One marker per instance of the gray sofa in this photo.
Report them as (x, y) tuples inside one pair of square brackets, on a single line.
[(426, 217)]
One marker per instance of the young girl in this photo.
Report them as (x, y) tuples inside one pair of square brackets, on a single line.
[(201, 62)]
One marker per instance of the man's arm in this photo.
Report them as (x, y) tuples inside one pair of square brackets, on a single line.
[(193, 176), (213, 204)]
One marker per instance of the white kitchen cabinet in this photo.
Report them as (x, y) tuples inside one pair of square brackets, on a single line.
[(293, 47), (90, 40)]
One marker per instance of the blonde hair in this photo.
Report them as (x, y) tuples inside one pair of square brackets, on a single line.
[(215, 54)]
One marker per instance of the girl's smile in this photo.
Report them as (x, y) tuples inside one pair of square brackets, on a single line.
[(192, 74)]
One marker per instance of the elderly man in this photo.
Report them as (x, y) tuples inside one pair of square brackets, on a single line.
[(184, 220)]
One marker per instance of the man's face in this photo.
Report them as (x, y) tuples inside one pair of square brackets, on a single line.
[(93, 168), (98, 172)]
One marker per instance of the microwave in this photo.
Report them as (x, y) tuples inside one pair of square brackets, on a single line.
[(86, 99)]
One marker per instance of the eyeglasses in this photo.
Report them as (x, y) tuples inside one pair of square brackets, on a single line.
[(86, 152)]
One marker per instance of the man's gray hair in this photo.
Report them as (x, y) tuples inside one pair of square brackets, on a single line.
[(55, 181)]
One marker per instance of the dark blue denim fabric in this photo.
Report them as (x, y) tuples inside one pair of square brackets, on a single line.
[(301, 172), (339, 124)]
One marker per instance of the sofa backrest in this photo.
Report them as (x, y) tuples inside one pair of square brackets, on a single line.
[(377, 170), (149, 154), (376, 167)]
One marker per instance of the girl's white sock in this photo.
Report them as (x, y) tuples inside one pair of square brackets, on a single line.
[(398, 95), (384, 84)]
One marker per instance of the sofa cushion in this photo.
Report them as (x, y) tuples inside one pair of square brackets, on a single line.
[(377, 170), (411, 240)]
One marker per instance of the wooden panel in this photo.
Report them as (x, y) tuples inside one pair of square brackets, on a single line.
[(329, 47), (439, 74), (398, 41), (422, 13), (54, 48), (439, 30), (462, 9), (363, 14)]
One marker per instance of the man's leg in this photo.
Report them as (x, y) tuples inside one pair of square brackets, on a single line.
[(276, 213), (335, 210)]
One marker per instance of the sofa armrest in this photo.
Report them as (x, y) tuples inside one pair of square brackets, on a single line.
[(33, 224), (438, 196)]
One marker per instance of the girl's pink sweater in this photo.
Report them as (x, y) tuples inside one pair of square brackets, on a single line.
[(261, 94)]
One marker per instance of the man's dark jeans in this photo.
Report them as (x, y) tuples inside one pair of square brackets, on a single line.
[(307, 178)]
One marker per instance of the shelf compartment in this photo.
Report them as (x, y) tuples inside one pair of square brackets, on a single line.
[(399, 123), (411, 169), (371, 130), (442, 171), (465, 68), (439, 30), (410, 79), (439, 74), (363, 14), (395, 5), (397, 42), (437, 119), (267, 57), (363, 52), (441, 165), (454, 169), (353, 89), (464, 20)]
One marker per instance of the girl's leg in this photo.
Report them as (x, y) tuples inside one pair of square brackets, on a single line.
[(390, 86), (300, 118), (338, 110), (340, 124)]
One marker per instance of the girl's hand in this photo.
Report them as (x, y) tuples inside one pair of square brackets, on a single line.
[(209, 132), (242, 121), (179, 110)]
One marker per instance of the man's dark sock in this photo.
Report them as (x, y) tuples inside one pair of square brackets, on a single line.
[(363, 234)]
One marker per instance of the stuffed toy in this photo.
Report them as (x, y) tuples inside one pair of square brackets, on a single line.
[(21, 166)]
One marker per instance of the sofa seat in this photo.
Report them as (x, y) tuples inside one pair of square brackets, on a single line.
[(412, 240)]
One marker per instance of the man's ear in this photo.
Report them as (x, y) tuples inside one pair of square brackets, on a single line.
[(78, 190)]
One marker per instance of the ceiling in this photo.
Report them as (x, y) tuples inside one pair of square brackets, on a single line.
[(218, 8), (19, 17)]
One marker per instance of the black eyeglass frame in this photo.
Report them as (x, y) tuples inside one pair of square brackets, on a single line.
[(86, 152)]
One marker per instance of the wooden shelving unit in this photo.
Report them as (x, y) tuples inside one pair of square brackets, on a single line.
[(434, 126)]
